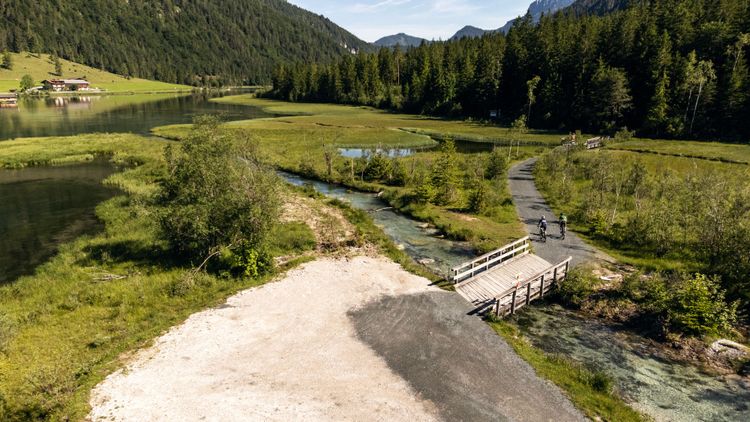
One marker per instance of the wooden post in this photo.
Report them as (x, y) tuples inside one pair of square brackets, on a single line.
[(497, 306), (554, 277), (513, 303), (541, 288), (528, 293), (567, 266)]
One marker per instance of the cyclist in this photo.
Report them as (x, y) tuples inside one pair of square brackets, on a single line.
[(563, 225), (543, 228)]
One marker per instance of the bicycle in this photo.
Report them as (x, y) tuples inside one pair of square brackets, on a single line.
[(543, 234), (563, 230)]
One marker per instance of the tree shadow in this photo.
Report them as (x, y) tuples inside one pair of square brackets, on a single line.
[(134, 252)]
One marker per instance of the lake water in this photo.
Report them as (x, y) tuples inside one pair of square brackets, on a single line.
[(61, 116), (43, 207)]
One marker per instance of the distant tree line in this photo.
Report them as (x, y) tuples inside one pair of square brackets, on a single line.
[(192, 42), (669, 68)]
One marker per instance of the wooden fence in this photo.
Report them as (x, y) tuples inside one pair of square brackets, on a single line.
[(535, 287), (489, 260)]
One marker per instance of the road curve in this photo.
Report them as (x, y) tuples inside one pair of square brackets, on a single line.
[(531, 206)]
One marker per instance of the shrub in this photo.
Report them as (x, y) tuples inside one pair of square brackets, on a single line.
[(497, 164), (698, 307), (378, 167), (599, 381), (217, 195), (577, 287), (478, 198)]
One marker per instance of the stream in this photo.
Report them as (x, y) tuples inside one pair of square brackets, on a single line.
[(662, 389)]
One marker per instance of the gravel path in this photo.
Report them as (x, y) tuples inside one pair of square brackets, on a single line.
[(358, 339), (531, 206)]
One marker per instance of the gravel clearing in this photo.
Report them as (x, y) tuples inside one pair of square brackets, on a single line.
[(311, 347)]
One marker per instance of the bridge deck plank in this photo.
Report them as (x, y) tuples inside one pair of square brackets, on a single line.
[(495, 281)]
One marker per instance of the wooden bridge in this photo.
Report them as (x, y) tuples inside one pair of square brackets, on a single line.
[(508, 278)]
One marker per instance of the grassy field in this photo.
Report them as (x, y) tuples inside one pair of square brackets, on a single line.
[(660, 159), (40, 67), (714, 151), (65, 327), (298, 143), (350, 117)]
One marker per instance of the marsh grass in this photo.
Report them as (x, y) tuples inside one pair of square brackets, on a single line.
[(712, 151), (297, 142)]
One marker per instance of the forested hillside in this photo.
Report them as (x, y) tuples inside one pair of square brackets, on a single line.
[(668, 68), (192, 42)]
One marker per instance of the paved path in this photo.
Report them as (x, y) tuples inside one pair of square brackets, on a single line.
[(531, 206)]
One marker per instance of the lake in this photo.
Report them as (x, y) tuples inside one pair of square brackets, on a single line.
[(43, 207), (72, 115)]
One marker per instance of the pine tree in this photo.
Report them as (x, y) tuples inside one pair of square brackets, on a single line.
[(7, 60)]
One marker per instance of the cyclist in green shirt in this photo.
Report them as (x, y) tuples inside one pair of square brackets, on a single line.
[(563, 222)]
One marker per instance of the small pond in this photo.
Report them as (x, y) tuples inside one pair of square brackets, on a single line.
[(464, 147)]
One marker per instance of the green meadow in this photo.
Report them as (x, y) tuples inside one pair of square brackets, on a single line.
[(300, 139), (41, 67)]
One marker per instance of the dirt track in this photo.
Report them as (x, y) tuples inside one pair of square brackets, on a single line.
[(357, 339)]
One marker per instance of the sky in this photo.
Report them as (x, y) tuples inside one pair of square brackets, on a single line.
[(430, 19)]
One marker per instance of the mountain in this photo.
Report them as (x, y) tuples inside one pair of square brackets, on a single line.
[(232, 41), (542, 7), (469, 31), (400, 39), (599, 7)]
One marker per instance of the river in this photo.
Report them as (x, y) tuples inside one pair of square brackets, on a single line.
[(662, 389)]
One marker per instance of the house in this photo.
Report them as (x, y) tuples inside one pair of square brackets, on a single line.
[(8, 100), (58, 85)]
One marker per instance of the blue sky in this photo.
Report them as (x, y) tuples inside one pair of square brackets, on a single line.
[(431, 19)]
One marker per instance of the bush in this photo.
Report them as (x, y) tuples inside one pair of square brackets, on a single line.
[(577, 287), (692, 305), (497, 164), (378, 167), (599, 381), (697, 307), (217, 195)]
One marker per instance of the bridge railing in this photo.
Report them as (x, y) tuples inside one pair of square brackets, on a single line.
[(535, 287), (489, 260)]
